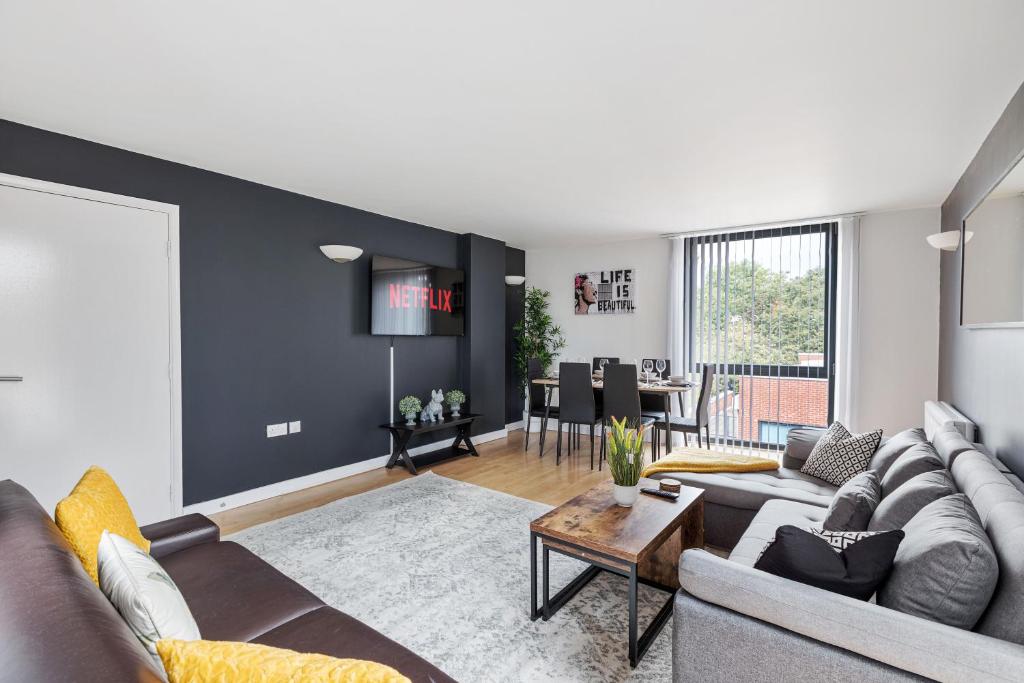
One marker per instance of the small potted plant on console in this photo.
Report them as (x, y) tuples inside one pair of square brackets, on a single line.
[(626, 461), (409, 406), (455, 398)]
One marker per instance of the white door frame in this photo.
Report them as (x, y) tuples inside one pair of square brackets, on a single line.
[(174, 300)]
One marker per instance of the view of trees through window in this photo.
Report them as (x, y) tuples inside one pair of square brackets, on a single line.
[(756, 313), (759, 313)]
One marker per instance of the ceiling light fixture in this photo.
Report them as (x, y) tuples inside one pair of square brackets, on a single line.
[(339, 253)]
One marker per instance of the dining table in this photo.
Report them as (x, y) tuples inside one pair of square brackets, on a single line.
[(658, 387)]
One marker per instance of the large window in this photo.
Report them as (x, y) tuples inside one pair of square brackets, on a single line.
[(761, 313)]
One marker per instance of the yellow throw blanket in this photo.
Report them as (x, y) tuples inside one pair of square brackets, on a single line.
[(701, 460)]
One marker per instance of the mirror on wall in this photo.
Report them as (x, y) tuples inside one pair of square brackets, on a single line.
[(993, 256)]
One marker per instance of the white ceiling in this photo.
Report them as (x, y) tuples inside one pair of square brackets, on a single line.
[(536, 122)]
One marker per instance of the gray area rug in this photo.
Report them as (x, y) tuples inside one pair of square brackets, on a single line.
[(442, 567)]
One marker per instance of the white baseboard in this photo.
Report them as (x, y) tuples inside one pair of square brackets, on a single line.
[(298, 483), (514, 425)]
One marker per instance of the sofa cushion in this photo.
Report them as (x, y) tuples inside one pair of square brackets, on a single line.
[(851, 563), (893, 448), (328, 631), (750, 490), (1000, 506), (143, 593), (800, 441), (950, 444), (195, 661), (774, 514), (854, 503), (945, 569), (839, 455), (901, 505), (918, 459), (233, 594)]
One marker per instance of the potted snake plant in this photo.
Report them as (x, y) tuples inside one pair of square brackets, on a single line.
[(626, 461)]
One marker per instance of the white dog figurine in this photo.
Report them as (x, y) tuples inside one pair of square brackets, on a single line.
[(434, 410)]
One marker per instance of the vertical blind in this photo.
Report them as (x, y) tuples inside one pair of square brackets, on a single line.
[(761, 313)]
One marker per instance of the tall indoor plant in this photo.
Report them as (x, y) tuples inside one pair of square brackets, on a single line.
[(536, 335)]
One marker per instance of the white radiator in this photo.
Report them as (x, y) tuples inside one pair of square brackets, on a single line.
[(939, 413)]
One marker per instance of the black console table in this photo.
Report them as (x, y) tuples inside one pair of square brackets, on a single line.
[(402, 432)]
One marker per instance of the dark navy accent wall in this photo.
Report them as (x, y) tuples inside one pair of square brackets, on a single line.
[(482, 362), (515, 264), (272, 331)]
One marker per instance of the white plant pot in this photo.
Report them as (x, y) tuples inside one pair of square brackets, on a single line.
[(626, 495), (410, 418), (455, 408)]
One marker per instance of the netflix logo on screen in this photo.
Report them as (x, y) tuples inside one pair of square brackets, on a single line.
[(416, 299), (410, 296)]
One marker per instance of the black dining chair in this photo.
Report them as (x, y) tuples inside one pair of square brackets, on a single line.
[(700, 419), (653, 405), (597, 361), (538, 401), (621, 401), (576, 403)]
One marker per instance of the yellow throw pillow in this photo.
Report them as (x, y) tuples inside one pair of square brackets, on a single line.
[(95, 505), (211, 661)]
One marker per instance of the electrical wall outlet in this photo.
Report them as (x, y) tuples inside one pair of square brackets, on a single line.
[(277, 430), (295, 427)]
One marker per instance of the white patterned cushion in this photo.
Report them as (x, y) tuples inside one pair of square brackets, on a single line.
[(841, 540), (840, 456), (143, 593)]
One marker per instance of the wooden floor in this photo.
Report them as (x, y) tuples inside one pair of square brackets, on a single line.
[(503, 465)]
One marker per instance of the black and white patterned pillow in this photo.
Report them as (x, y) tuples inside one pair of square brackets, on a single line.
[(841, 540), (840, 456)]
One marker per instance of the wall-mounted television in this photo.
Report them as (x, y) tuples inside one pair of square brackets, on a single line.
[(412, 298)]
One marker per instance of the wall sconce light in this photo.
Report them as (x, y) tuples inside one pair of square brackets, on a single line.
[(339, 253), (514, 280), (948, 240)]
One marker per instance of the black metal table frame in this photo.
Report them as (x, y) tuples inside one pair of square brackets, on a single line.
[(598, 562), (402, 437)]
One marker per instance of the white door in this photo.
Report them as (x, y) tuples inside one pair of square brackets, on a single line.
[(88, 322)]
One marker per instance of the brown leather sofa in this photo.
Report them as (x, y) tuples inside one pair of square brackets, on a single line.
[(57, 625)]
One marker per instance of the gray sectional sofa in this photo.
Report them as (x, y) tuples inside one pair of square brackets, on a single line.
[(735, 623)]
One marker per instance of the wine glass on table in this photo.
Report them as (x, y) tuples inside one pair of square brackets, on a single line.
[(660, 365), (648, 367)]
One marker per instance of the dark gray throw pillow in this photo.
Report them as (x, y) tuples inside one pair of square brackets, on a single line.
[(854, 504), (901, 505), (896, 446), (945, 569), (918, 459)]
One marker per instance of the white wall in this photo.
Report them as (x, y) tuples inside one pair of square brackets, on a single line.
[(899, 301), (642, 334), (899, 319)]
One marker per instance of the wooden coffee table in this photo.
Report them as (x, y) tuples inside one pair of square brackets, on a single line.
[(641, 543)]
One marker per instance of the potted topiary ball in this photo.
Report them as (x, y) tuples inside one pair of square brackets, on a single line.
[(409, 406), (455, 399)]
